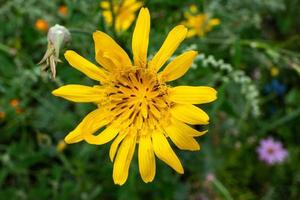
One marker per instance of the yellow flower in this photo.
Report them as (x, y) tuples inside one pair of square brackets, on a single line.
[(198, 24), (193, 8), (135, 103), (274, 71), (124, 13)]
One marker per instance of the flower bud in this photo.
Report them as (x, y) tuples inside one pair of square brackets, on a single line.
[(58, 33), (57, 36)]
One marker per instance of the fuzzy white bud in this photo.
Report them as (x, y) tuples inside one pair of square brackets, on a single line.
[(58, 33)]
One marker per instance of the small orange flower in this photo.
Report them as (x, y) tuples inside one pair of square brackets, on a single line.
[(63, 10), (41, 25), (19, 110), (2, 115), (14, 103)]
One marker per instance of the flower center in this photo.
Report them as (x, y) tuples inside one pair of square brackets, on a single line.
[(137, 99), (270, 150)]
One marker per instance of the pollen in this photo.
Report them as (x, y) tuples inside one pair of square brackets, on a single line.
[(138, 100)]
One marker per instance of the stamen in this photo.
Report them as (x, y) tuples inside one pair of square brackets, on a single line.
[(139, 99)]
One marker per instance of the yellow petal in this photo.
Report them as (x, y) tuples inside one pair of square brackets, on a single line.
[(123, 159), (105, 45), (146, 159), (107, 17), (75, 135), (140, 38), (105, 5), (192, 95), (114, 146), (85, 66), (189, 114), (181, 139), (78, 133), (105, 136), (133, 6), (192, 32), (165, 153), (187, 129), (79, 93), (124, 22), (179, 66), (173, 40), (214, 22)]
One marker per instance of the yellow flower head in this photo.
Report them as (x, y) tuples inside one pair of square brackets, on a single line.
[(135, 103), (197, 23), (274, 71), (193, 9), (123, 11)]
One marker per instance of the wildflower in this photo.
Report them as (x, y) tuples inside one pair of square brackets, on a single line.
[(197, 23), (63, 10), (275, 87), (210, 177), (57, 36), (135, 104), (271, 151), (41, 25), (193, 9), (209, 180), (14, 103), (274, 71), (2, 115), (123, 13), (61, 145), (43, 139)]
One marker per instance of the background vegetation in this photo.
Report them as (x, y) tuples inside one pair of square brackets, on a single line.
[(252, 58)]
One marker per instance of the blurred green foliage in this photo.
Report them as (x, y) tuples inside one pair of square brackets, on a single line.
[(253, 38)]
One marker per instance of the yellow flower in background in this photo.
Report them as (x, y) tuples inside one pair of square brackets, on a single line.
[(135, 104), (124, 12), (197, 23), (274, 71), (193, 9)]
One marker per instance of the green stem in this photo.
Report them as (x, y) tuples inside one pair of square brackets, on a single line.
[(80, 31), (66, 163), (222, 189), (8, 50), (258, 44), (111, 7)]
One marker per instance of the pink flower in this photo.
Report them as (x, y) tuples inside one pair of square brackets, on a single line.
[(271, 151)]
